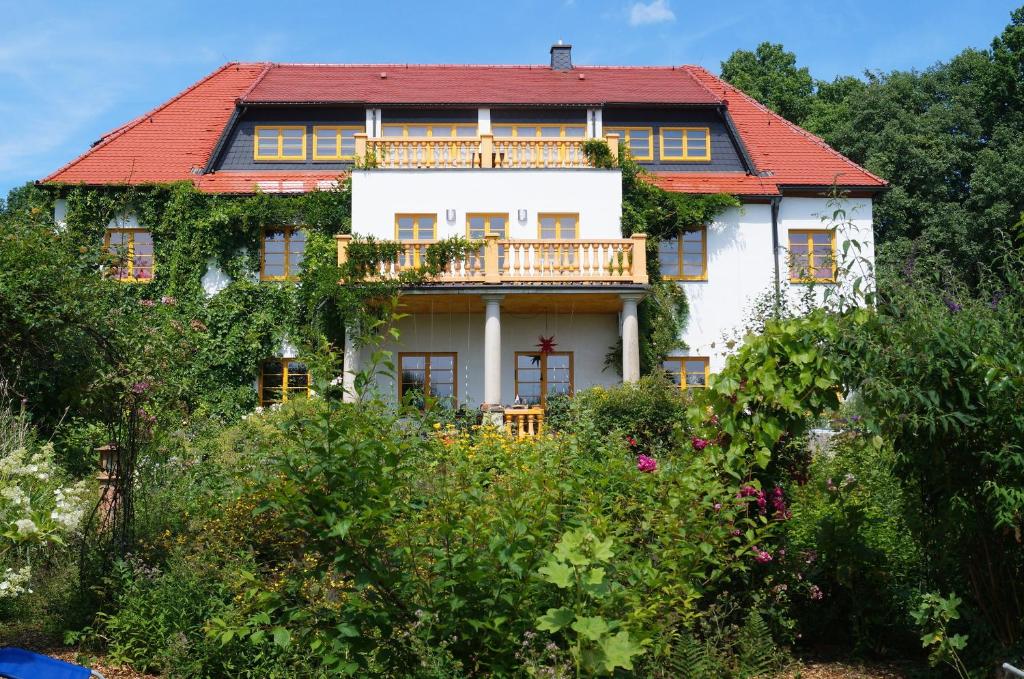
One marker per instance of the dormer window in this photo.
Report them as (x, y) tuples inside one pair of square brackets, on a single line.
[(280, 142), (685, 144), (543, 131), (423, 130), (637, 140), (335, 142)]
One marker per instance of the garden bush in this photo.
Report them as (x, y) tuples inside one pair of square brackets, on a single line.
[(651, 413)]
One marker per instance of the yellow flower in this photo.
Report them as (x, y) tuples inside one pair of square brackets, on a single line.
[(437, 425)]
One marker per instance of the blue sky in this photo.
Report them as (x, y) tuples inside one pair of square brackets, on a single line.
[(70, 71)]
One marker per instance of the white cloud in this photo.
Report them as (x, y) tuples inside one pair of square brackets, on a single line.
[(654, 12)]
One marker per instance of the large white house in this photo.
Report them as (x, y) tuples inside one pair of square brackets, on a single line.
[(496, 153)]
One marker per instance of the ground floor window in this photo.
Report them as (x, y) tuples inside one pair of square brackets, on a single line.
[(427, 373), (688, 371), (541, 375), (282, 379)]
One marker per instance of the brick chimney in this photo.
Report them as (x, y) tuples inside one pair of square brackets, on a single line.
[(561, 57)]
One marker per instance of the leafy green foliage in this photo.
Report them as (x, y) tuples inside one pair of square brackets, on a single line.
[(770, 75), (576, 565), (934, 615)]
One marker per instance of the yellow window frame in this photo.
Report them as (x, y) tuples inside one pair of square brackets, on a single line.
[(624, 135), (427, 369), (430, 128), (681, 252), (537, 135), (129, 255), (415, 225), (683, 372), (278, 131), (558, 216), (808, 237), (288, 231), (338, 155), (487, 216), (543, 364), (285, 389), (685, 157)]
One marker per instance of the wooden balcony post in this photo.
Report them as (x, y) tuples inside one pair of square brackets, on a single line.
[(492, 274), (360, 147), (613, 145), (640, 258), (343, 240), (487, 150)]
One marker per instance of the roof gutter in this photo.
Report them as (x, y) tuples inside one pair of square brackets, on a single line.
[(776, 203), (222, 140)]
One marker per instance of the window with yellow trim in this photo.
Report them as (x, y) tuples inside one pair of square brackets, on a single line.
[(685, 257), (538, 130), (812, 256), (423, 130), (132, 250), (685, 143), (335, 142), (479, 225), (280, 142), (281, 253), (558, 226), (282, 379), (637, 139), (415, 227), (539, 376), (430, 373), (688, 372)]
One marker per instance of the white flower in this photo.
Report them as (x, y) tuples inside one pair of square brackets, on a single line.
[(26, 526), (12, 582)]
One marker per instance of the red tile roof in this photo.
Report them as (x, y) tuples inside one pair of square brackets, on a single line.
[(165, 144), (786, 154), (472, 85), (174, 141)]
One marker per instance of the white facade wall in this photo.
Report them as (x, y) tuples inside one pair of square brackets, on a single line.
[(588, 336), (741, 266), (377, 196)]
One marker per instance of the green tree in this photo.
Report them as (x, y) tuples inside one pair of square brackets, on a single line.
[(770, 75)]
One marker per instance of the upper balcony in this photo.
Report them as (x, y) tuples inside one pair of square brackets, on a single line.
[(483, 152), (621, 261)]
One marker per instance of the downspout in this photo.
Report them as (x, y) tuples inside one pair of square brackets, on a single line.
[(776, 202)]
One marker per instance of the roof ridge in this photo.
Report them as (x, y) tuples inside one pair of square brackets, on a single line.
[(256, 81), (799, 130), (118, 132), (508, 66)]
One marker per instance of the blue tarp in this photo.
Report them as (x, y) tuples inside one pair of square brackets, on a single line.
[(17, 663)]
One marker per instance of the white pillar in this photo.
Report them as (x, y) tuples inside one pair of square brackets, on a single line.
[(630, 338), (350, 367), (483, 121), (492, 351)]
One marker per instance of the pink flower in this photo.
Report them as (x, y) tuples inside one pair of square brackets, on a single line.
[(779, 505), (762, 556), (816, 593), (140, 387), (713, 420), (646, 464), (718, 506), (736, 532), (699, 443), (631, 441), (169, 301), (147, 303)]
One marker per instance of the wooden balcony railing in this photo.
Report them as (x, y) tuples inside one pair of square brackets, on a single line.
[(618, 260), (474, 152), (524, 422)]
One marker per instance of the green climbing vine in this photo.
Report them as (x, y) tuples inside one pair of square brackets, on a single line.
[(662, 215)]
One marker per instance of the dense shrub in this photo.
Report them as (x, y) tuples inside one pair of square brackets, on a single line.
[(650, 412), (851, 531)]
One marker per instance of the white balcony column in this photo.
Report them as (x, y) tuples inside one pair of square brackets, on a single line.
[(630, 338), (492, 353), (351, 367), (483, 121)]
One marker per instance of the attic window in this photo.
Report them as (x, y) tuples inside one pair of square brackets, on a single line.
[(279, 142), (685, 143)]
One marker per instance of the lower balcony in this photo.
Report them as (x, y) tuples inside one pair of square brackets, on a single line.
[(497, 262)]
